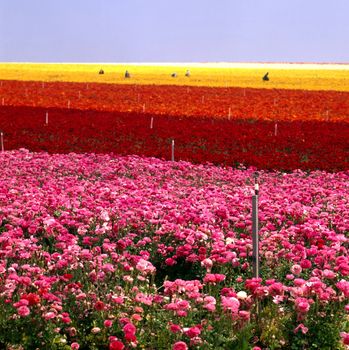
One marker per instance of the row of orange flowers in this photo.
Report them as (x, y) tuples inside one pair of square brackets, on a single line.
[(227, 103)]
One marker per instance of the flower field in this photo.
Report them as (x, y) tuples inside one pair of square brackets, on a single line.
[(106, 244), (180, 101), (306, 145), (283, 76), (100, 251)]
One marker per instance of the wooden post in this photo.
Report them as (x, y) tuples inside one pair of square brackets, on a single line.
[(143, 107), (229, 113), (276, 129), (68, 104), (151, 122), (46, 118)]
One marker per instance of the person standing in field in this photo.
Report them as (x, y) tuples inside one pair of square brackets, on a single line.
[(127, 74), (187, 73), (266, 78)]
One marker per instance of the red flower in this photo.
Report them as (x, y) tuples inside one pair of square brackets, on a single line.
[(99, 305), (116, 345)]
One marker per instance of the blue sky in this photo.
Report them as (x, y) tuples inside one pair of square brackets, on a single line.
[(174, 31)]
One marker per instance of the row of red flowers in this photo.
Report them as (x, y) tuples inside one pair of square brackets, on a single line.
[(286, 145), (241, 103)]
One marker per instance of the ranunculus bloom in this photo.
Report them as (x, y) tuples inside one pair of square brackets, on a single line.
[(193, 332), (116, 345), (296, 269), (175, 328), (99, 305), (129, 328), (180, 345), (302, 328), (75, 346), (23, 311), (242, 295), (345, 338), (108, 323), (302, 305), (231, 303)]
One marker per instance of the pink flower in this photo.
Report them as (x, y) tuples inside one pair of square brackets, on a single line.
[(214, 278), (296, 269), (244, 315), (170, 262), (49, 315), (305, 264), (302, 305), (329, 274), (180, 345), (207, 263), (231, 303), (108, 323), (23, 311), (130, 332), (75, 346), (345, 338), (302, 328), (193, 332), (145, 266), (175, 328)]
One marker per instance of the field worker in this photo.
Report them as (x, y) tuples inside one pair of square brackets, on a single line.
[(187, 73), (174, 75), (266, 78), (101, 71), (127, 74)]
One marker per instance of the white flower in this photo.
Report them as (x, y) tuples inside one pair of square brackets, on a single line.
[(242, 295)]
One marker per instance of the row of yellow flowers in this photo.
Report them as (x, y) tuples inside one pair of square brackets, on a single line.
[(307, 77)]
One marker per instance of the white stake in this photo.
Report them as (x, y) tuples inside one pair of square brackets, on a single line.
[(327, 115), (46, 118), (3, 101), (79, 94), (172, 153), (276, 129), (68, 104), (144, 108), (2, 142), (229, 113), (203, 99), (151, 122)]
